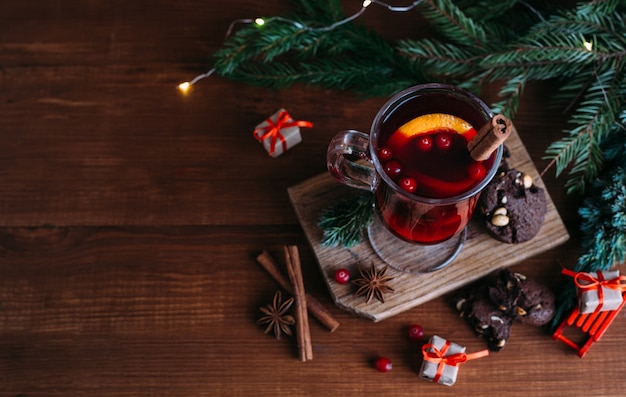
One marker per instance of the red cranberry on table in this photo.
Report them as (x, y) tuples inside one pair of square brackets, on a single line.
[(416, 332), (342, 276), (383, 364)]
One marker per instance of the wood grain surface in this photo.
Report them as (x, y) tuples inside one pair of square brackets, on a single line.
[(131, 217)]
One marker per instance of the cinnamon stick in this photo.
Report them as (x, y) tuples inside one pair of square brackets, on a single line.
[(292, 259), (489, 137), (316, 309)]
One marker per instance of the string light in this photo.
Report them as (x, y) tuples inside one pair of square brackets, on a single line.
[(588, 45), (186, 86)]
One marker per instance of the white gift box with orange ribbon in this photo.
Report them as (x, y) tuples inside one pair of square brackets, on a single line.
[(442, 359), (599, 291), (279, 132)]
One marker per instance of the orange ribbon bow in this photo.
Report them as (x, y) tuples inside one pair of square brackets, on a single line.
[(596, 283), (272, 130), (433, 354)]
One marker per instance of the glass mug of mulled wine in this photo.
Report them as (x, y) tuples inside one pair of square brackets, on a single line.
[(416, 162)]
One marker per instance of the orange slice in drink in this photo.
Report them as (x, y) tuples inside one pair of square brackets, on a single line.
[(431, 122)]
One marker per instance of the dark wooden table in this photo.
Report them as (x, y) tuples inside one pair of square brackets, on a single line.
[(131, 216)]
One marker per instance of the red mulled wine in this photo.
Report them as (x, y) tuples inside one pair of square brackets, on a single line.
[(428, 157)]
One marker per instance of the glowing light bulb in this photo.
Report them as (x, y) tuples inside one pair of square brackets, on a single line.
[(184, 87), (366, 3), (259, 21), (588, 45)]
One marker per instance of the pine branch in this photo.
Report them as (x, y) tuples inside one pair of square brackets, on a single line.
[(496, 18), (440, 58), (558, 41), (275, 75), (322, 10), (593, 121), (571, 91), (541, 61), (510, 94), (474, 42), (480, 11), (264, 43), (344, 224), (599, 8), (592, 18), (453, 24), (350, 74), (353, 74)]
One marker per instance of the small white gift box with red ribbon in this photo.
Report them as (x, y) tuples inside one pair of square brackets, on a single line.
[(280, 132), (598, 291), (442, 359)]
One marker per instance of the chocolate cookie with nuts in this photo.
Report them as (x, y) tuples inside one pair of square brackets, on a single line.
[(522, 298), (493, 305), (484, 316), (513, 207)]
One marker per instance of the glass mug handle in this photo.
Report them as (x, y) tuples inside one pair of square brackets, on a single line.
[(348, 160)]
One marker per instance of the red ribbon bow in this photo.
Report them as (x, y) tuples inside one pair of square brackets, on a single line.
[(596, 283), (434, 355), (272, 130)]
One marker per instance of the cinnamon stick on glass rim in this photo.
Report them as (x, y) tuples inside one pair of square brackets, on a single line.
[(489, 137)]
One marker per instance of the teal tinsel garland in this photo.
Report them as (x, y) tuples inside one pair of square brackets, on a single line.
[(603, 226)]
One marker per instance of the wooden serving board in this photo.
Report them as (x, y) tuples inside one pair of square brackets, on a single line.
[(480, 255)]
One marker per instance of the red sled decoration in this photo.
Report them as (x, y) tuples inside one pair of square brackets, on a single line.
[(593, 325)]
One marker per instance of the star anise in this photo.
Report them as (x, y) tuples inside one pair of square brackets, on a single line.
[(276, 316), (373, 283)]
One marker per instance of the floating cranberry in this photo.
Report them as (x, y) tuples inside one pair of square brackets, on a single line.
[(409, 184), (416, 332), (385, 153), (424, 143), (443, 141), (476, 171), (342, 276), (383, 364), (393, 168)]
